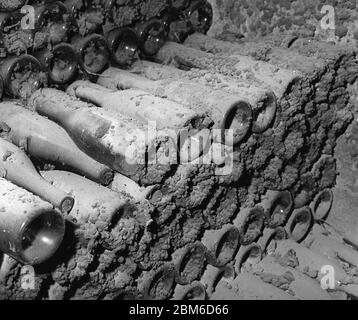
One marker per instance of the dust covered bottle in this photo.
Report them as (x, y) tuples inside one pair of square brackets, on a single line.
[(17, 167), (31, 231), (47, 141)]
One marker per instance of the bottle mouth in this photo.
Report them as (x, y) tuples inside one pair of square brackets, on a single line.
[(278, 234), (41, 237), (265, 113), (236, 123), (200, 15), (191, 264), (250, 254), (323, 204), (124, 44), (23, 76), (94, 54), (280, 209), (1, 87), (227, 246), (299, 224), (152, 37), (62, 64)]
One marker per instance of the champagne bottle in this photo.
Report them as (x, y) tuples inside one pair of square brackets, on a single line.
[(200, 14), (263, 101), (228, 111), (44, 139), (92, 200), (31, 231), (300, 285), (22, 76), (190, 125), (52, 24), (124, 45), (110, 138), (93, 53), (88, 15), (6, 6), (152, 36), (18, 168), (60, 63), (299, 224), (264, 74)]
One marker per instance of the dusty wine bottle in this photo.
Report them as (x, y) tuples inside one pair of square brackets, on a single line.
[(22, 76), (110, 138), (12, 5), (177, 25), (60, 63), (263, 74), (53, 24), (93, 53), (16, 39), (92, 201), (152, 36), (189, 124), (88, 15), (228, 111), (18, 168), (44, 139), (31, 231), (124, 45), (200, 14), (140, 105)]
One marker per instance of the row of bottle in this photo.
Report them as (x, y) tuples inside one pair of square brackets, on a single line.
[(267, 263), (54, 23)]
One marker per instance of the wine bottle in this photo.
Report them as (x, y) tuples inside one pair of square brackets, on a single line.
[(124, 45), (200, 14), (228, 111), (44, 139), (60, 63), (189, 124), (6, 6), (263, 101), (177, 25), (179, 4), (88, 15), (152, 36), (110, 138), (92, 201), (15, 38), (222, 245), (22, 76), (140, 105), (52, 24), (18, 168), (31, 231), (93, 53)]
